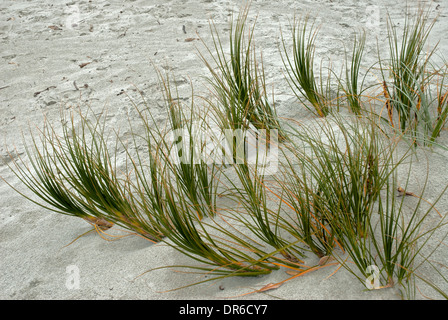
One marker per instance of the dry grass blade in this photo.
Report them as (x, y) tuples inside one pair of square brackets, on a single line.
[(388, 104)]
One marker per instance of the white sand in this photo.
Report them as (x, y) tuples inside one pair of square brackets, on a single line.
[(42, 45)]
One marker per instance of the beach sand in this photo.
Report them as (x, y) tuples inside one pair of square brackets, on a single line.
[(101, 53)]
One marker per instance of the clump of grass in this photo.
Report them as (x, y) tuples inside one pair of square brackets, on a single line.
[(239, 82), (410, 95), (414, 97), (352, 89), (75, 174), (407, 63), (196, 173), (258, 215), (43, 177), (442, 107), (397, 236), (299, 65), (334, 173), (222, 253)]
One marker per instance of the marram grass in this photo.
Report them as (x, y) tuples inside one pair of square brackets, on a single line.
[(334, 192), (412, 82), (74, 173), (238, 79), (186, 192), (299, 65)]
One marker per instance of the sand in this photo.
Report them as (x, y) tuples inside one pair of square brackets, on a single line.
[(55, 54)]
